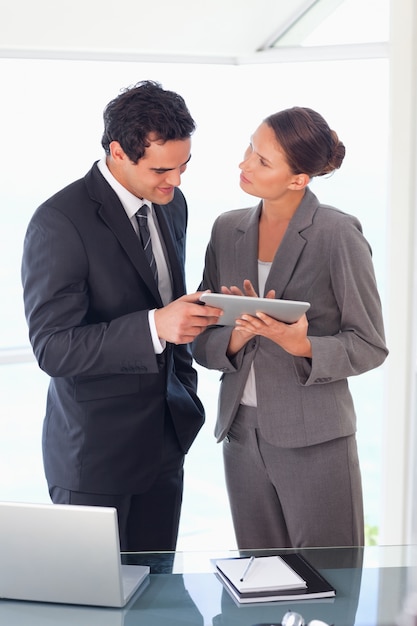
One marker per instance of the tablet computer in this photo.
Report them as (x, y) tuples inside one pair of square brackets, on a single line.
[(288, 311)]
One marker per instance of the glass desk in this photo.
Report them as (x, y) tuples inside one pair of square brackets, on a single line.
[(371, 583)]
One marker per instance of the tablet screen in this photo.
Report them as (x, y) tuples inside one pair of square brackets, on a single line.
[(288, 311)]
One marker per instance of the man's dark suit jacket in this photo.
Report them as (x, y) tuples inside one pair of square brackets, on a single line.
[(87, 292)]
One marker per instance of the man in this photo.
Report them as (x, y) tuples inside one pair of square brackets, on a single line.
[(109, 322)]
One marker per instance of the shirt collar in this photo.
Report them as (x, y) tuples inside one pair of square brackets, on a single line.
[(130, 202)]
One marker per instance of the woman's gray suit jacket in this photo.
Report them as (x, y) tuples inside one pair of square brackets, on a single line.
[(325, 260)]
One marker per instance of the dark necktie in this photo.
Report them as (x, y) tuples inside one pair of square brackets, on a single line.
[(145, 237)]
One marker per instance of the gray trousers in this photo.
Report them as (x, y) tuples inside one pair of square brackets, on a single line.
[(292, 497)]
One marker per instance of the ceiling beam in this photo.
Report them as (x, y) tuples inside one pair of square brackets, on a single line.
[(300, 24), (274, 55)]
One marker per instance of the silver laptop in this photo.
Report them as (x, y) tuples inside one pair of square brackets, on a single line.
[(64, 553)]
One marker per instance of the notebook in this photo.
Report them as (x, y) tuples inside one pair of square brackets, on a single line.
[(275, 578), (64, 554)]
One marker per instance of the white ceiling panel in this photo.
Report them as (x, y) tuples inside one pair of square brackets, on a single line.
[(144, 27)]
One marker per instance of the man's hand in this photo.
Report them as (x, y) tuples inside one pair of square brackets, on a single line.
[(182, 320)]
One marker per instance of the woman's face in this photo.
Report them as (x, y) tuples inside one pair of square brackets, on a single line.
[(265, 172)]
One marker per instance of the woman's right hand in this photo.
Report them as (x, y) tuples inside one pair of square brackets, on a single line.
[(240, 338), (248, 290)]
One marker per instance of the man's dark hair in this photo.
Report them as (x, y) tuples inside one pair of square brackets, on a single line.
[(143, 110)]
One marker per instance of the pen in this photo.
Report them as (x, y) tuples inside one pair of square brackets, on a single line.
[(249, 565)]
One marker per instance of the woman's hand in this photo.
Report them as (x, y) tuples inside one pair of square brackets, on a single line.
[(240, 334), (248, 290), (291, 337)]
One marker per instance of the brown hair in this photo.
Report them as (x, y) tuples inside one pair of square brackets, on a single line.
[(310, 146)]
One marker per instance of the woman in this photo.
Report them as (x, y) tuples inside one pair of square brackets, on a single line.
[(286, 416)]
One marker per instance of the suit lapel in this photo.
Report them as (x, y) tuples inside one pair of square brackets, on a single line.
[(168, 237), (286, 258), (246, 248), (292, 245), (113, 214)]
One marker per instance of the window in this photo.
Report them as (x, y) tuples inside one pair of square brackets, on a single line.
[(53, 111), (338, 22)]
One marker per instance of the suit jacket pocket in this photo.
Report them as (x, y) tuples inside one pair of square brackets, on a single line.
[(98, 387)]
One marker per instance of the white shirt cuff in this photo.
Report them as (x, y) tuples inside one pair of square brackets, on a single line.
[(158, 344)]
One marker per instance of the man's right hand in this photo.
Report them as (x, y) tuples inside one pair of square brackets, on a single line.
[(182, 320)]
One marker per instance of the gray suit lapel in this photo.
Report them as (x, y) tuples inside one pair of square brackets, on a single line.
[(246, 248), (292, 245)]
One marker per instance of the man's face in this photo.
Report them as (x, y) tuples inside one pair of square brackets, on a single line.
[(156, 174)]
